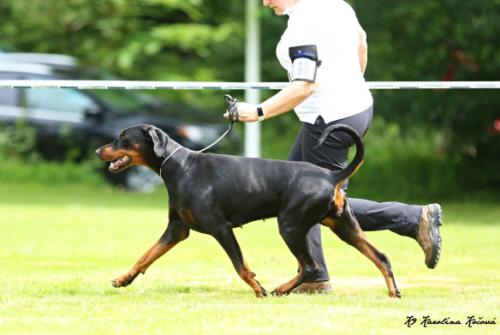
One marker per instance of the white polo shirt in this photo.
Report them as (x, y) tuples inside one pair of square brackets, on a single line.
[(332, 26)]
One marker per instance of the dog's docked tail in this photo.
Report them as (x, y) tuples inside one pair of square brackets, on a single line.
[(360, 149)]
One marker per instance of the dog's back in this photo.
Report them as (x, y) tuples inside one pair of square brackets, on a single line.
[(247, 189)]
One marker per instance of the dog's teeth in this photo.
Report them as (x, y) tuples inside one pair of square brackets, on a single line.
[(119, 163)]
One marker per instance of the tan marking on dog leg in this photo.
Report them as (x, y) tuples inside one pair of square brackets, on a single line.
[(357, 239), (187, 215), (149, 257), (328, 222), (287, 287), (339, 199), (249, 277)]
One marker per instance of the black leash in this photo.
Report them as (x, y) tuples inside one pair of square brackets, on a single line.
[(233, 117)]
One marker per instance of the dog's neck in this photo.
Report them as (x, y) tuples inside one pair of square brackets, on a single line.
[(175, 156)]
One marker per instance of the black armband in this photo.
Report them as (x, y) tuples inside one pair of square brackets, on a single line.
[(305, 62)]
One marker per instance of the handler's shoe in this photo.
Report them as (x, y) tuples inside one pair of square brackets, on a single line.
[(428, 234), (320, 287)]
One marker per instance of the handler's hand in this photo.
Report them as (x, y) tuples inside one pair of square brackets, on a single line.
[(246, 112)]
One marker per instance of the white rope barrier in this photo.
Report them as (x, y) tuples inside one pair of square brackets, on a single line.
[(194, 85)]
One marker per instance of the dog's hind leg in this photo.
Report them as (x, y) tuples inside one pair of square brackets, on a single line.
[(295, 238), (227, 240), (176, 232), (347, 228)]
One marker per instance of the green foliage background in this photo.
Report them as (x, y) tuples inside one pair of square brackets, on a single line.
[(446, 137)]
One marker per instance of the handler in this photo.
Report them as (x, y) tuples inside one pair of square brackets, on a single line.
[(324, 51)]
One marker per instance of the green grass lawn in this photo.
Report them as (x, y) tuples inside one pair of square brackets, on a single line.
[(61, 246)]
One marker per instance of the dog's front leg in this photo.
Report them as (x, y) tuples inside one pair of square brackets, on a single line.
[(227, 240), (176, 232)]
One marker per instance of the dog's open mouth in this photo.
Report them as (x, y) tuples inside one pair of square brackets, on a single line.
[(119, 164)]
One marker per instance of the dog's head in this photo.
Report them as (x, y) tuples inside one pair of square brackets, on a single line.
[(138, 145)]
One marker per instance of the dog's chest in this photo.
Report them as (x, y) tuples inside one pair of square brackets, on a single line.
[(191, 219)]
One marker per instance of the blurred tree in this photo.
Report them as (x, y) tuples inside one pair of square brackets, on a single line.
[(139, 39), (440, 40), (204, 40)]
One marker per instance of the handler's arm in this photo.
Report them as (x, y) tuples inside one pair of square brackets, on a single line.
[(280, 103), (362, 50), (288, 98)]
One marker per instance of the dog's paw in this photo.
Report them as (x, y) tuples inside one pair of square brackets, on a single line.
[(278, 292), (262, 293), (395, 294), (124, 280), (117, 283)]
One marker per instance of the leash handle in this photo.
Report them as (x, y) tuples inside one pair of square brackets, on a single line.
[(232, 109)]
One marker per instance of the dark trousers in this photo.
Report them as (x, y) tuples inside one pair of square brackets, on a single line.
[(397, 217)]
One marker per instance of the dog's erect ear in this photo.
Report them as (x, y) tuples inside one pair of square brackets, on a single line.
[(160, 140)]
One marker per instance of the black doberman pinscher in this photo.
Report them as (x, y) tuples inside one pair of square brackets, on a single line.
[(213, 193)]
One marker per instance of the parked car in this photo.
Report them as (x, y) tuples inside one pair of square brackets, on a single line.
[(75, 122)]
